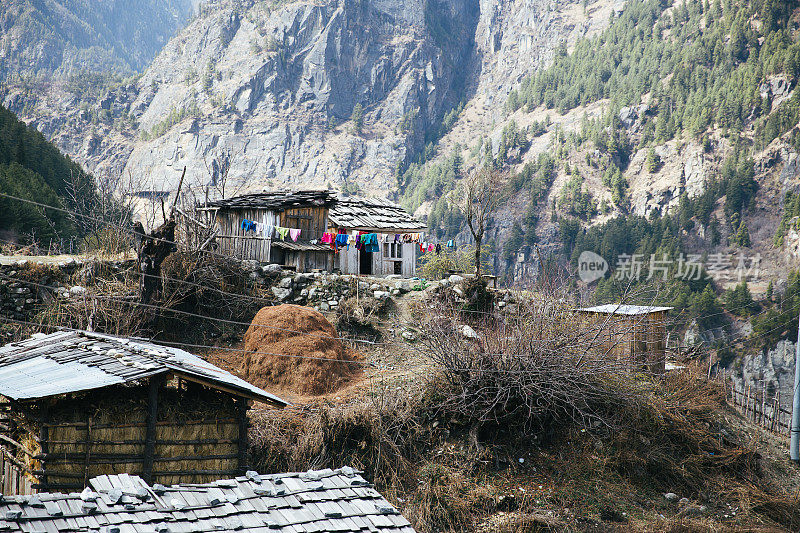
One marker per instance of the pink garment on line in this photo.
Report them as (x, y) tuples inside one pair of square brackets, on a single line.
[(294, 233)]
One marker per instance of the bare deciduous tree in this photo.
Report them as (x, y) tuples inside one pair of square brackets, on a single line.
[(480, 195)]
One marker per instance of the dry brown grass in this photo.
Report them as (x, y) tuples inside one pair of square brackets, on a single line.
[(296, 348)]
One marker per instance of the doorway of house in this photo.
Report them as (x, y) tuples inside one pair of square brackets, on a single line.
[(364, 262)]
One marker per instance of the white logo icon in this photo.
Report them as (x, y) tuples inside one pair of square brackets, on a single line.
[(591, 267)]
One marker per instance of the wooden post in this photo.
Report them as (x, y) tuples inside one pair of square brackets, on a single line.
[(43, 442), (763, 401), (150, 431), (88, 460), (243, 443)]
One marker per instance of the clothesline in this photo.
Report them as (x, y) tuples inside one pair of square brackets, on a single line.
[(361, 239), (268, 230)]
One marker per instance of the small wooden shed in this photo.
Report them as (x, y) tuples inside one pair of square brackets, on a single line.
[(76, 405), (634, 334), (303, 210), (353, 215)]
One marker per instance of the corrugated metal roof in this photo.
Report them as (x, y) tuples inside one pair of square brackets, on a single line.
[(372, 214), (72, 361), (620, 309), (276, 200), (315, 501)]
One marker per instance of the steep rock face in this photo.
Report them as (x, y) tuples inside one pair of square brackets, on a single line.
[(64, 37), (260, 95), (775, 368)]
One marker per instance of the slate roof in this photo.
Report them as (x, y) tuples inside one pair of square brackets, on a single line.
[(276, 200), (619, 309), (314, 501), (372, 214), (71, 361)]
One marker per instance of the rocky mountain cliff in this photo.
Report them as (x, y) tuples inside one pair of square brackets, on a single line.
[(263, 93), (389, 97), (62, 38)]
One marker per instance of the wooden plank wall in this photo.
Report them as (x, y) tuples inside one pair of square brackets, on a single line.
[(234, 241), (193, 451), (14, 481), (348, 260), (638, 341), (312, 221)]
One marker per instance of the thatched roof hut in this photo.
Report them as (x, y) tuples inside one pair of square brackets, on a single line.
[(75, 405)]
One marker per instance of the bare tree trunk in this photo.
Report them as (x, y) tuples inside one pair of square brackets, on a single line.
[(478, 257)]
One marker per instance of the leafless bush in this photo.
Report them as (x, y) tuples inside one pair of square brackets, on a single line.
[(545, 365)]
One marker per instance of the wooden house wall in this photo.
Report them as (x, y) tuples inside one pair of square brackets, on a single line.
[(79, 441), (348, 261), (233, 240), (312, 221), (306, 261)]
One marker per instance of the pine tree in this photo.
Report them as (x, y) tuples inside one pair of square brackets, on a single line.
[(358, 118), (742, 237)]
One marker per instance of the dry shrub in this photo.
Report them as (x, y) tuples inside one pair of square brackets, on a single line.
[(207, 285), (443, 500), (296, 348), (382, 436), (543, 367), (360, 317), (674, 438), (108, 306)]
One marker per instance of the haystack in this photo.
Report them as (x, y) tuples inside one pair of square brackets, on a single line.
[(296, 348)]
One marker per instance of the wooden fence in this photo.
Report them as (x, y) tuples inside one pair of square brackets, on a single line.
[(13, 481), (756, 405)]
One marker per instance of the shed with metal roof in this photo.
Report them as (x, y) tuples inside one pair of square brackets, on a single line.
[(75, 404), (634, 334)]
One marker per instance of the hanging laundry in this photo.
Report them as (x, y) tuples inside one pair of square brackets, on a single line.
[(438, 248), (369, 241), (282, 232), (294, 233), (360, 240), (430, 247), (328, 238), (248, 225), (450, 243), (342, 240), (268, 230)]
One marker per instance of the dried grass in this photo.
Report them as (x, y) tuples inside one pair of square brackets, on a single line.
[(298, 350), (383, 435)]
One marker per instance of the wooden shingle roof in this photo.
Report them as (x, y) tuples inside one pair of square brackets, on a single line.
[(323, 500), (275, 200), (371, 214), (73, 361)]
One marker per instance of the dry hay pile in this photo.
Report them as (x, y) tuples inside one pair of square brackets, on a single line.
[(296, 348)]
